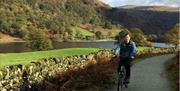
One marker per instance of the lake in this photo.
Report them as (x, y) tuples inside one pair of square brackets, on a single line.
[(21, 47)]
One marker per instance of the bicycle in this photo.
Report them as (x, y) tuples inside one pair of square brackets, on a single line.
[(121, 79)]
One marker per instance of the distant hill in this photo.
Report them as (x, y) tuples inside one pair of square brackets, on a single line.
[(151, 8), (150, 19)]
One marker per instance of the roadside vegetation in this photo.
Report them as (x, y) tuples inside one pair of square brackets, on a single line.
[(172, 70), (172, 36)]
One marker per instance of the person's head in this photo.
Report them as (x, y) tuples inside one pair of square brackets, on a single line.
[(126, 38)]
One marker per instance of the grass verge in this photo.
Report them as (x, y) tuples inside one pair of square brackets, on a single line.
[(27, 57), (172, 70)]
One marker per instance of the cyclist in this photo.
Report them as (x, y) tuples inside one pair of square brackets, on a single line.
[(126, 51)]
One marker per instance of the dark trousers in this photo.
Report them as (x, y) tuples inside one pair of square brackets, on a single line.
[(127, 64)]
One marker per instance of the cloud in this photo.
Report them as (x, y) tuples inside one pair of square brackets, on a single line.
[(116, 3)]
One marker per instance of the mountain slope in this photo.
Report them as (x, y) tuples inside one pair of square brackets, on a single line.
[(151, 8), (55, 16), (17, 17), (151, 19)]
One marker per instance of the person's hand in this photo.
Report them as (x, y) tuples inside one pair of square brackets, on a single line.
[(132, 57), (114, 56)]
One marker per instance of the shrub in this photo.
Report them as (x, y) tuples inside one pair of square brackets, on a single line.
[(99, 35), (37, 39)]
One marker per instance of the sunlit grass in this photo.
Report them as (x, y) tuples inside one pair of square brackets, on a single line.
[(142, 48), (27, 57), (81, 31)]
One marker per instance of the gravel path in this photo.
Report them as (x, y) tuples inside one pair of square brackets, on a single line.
[(149, 75)]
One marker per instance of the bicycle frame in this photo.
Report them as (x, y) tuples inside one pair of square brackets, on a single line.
[(121, 78)]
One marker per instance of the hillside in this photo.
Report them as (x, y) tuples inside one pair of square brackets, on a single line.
[(56, 17), (150, 19), (7, 38), (151, 8), (18, 17)]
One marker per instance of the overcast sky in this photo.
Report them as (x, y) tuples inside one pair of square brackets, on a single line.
[(116, 3)]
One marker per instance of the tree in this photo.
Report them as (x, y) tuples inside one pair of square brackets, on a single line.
[(37, 39), (109, 34), (139, 38), (136, 30), (172, 36), (78, 34), (151, 37), (32, 2), (69, 30), (99, 34), (108, 25)]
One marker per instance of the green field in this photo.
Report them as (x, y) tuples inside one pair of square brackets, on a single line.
[(105, 32), (113, 31), (27, 57), (81, 31)]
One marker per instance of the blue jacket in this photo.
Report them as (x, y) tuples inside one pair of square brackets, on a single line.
[(126, 50)]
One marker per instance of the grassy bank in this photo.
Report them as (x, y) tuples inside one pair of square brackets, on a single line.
[(81, 31), (172, 70), (27, 57)]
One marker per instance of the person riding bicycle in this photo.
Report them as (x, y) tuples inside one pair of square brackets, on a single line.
[(126, 51)]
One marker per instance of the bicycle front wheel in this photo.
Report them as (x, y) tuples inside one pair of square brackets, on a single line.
[(120, 84)]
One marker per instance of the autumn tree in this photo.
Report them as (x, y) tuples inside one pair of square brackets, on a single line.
[(151, 37), (37, 39), (172, 36), (99, 35), (139, 37)]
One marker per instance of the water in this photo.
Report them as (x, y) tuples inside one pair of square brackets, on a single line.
[(163, 45), (13, 47), (21, 47)]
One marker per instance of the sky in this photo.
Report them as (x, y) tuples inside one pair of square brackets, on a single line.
[(117, 3)]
